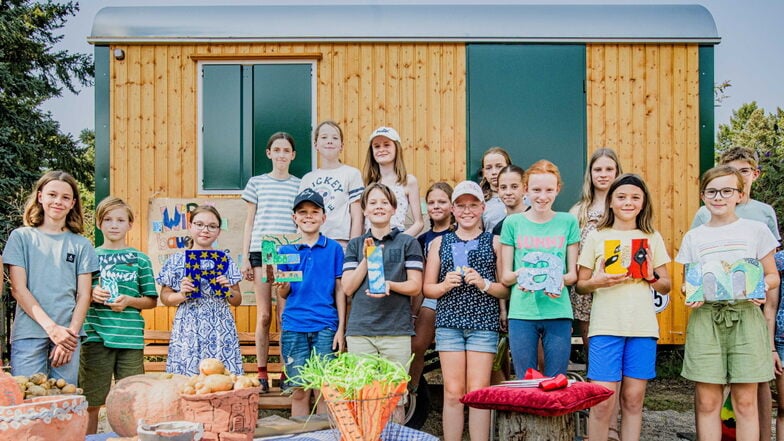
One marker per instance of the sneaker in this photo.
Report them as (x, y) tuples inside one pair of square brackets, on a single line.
[(264, 383)]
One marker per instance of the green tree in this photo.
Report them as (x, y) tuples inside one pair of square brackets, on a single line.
[(750, 126), (32, 71)]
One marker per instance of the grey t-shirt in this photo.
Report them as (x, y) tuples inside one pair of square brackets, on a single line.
[(52, 263), (390, 315), (753, 209)]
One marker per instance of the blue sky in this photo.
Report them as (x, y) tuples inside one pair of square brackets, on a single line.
[(751, 53)]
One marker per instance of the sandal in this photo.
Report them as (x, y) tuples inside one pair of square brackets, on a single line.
[(613, 435)]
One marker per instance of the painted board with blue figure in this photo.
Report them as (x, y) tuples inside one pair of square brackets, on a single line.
[(377, 284), (460, 254)]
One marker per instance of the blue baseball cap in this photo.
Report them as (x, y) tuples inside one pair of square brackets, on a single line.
[(309, 195)]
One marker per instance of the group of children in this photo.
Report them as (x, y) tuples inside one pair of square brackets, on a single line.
[(487, 243)]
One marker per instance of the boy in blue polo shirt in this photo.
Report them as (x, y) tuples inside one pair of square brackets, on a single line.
[(315, 314)]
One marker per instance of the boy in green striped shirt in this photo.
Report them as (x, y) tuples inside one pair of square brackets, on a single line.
[(114, 325)]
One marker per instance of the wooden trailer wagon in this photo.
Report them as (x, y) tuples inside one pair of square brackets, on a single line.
[(186, 98)]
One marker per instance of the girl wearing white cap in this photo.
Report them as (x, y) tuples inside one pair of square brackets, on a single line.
[(461, 272), (384, 164)]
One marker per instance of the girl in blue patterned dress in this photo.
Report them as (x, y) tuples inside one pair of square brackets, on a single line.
[(203, 326), (462, 276)]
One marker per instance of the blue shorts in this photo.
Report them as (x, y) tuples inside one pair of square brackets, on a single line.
[(430, 303), (296, 348), (610, 358), (459, 340), (31, 355)]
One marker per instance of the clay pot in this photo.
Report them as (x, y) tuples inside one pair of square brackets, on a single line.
[(10, 392), (154, 398), (52, 418), (229, 415)]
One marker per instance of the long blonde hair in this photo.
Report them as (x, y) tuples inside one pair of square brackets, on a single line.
[(587, 196), (34, 211), (371, 171)]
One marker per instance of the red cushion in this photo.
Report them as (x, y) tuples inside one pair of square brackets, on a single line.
[(535, 401)]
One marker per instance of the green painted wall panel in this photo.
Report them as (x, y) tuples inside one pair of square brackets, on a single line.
[(530, 100), (282, 101), (102, 134), (707, 109), (222, 140)]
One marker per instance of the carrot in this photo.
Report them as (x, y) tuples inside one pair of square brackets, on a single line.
[(371, 410), (344, 417), (389, 406)]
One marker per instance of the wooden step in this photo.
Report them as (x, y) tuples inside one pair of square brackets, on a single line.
[(274, 400)]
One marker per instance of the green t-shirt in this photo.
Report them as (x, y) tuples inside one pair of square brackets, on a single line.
[(551, 238), (123, 272)]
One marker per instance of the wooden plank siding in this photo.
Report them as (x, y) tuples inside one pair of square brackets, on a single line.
[(419, 88), (643, 101)]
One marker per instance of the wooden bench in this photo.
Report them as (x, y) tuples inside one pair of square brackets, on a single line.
[(157, 345)]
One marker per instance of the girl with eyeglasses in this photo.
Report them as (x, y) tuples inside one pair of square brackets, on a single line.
[(729, 342), (203, 325)]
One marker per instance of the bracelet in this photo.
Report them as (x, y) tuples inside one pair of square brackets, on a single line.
[(413, 316), (487, 285), (654, 280)]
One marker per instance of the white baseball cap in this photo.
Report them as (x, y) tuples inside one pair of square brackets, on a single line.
[(468, 187), (387, 132)]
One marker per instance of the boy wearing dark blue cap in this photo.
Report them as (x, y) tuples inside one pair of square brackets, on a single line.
[(315, 313)]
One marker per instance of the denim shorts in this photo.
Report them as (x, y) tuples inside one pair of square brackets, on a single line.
[(31, 355), (296, 348), (430, 303), (459, 340), (611, 357)]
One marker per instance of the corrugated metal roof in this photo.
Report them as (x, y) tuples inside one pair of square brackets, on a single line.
[(411, 22)]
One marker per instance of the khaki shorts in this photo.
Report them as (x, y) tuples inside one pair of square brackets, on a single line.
[(394, 348), (98, 364), (727, 344)]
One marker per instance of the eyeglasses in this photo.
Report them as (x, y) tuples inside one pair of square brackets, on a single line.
[(463, 207), (201, 226), (725, 192), (745, 171)]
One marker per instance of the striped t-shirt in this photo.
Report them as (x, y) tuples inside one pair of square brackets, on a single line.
[(123, 272), (274, 199)]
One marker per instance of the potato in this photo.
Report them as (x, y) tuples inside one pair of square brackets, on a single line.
[(21, 379), (60, 383), (69, 389), (38, 378), (218, 383), (79, 391), (210, 366), (36, 391), (243, 383), (188, 390), (53, 391)]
